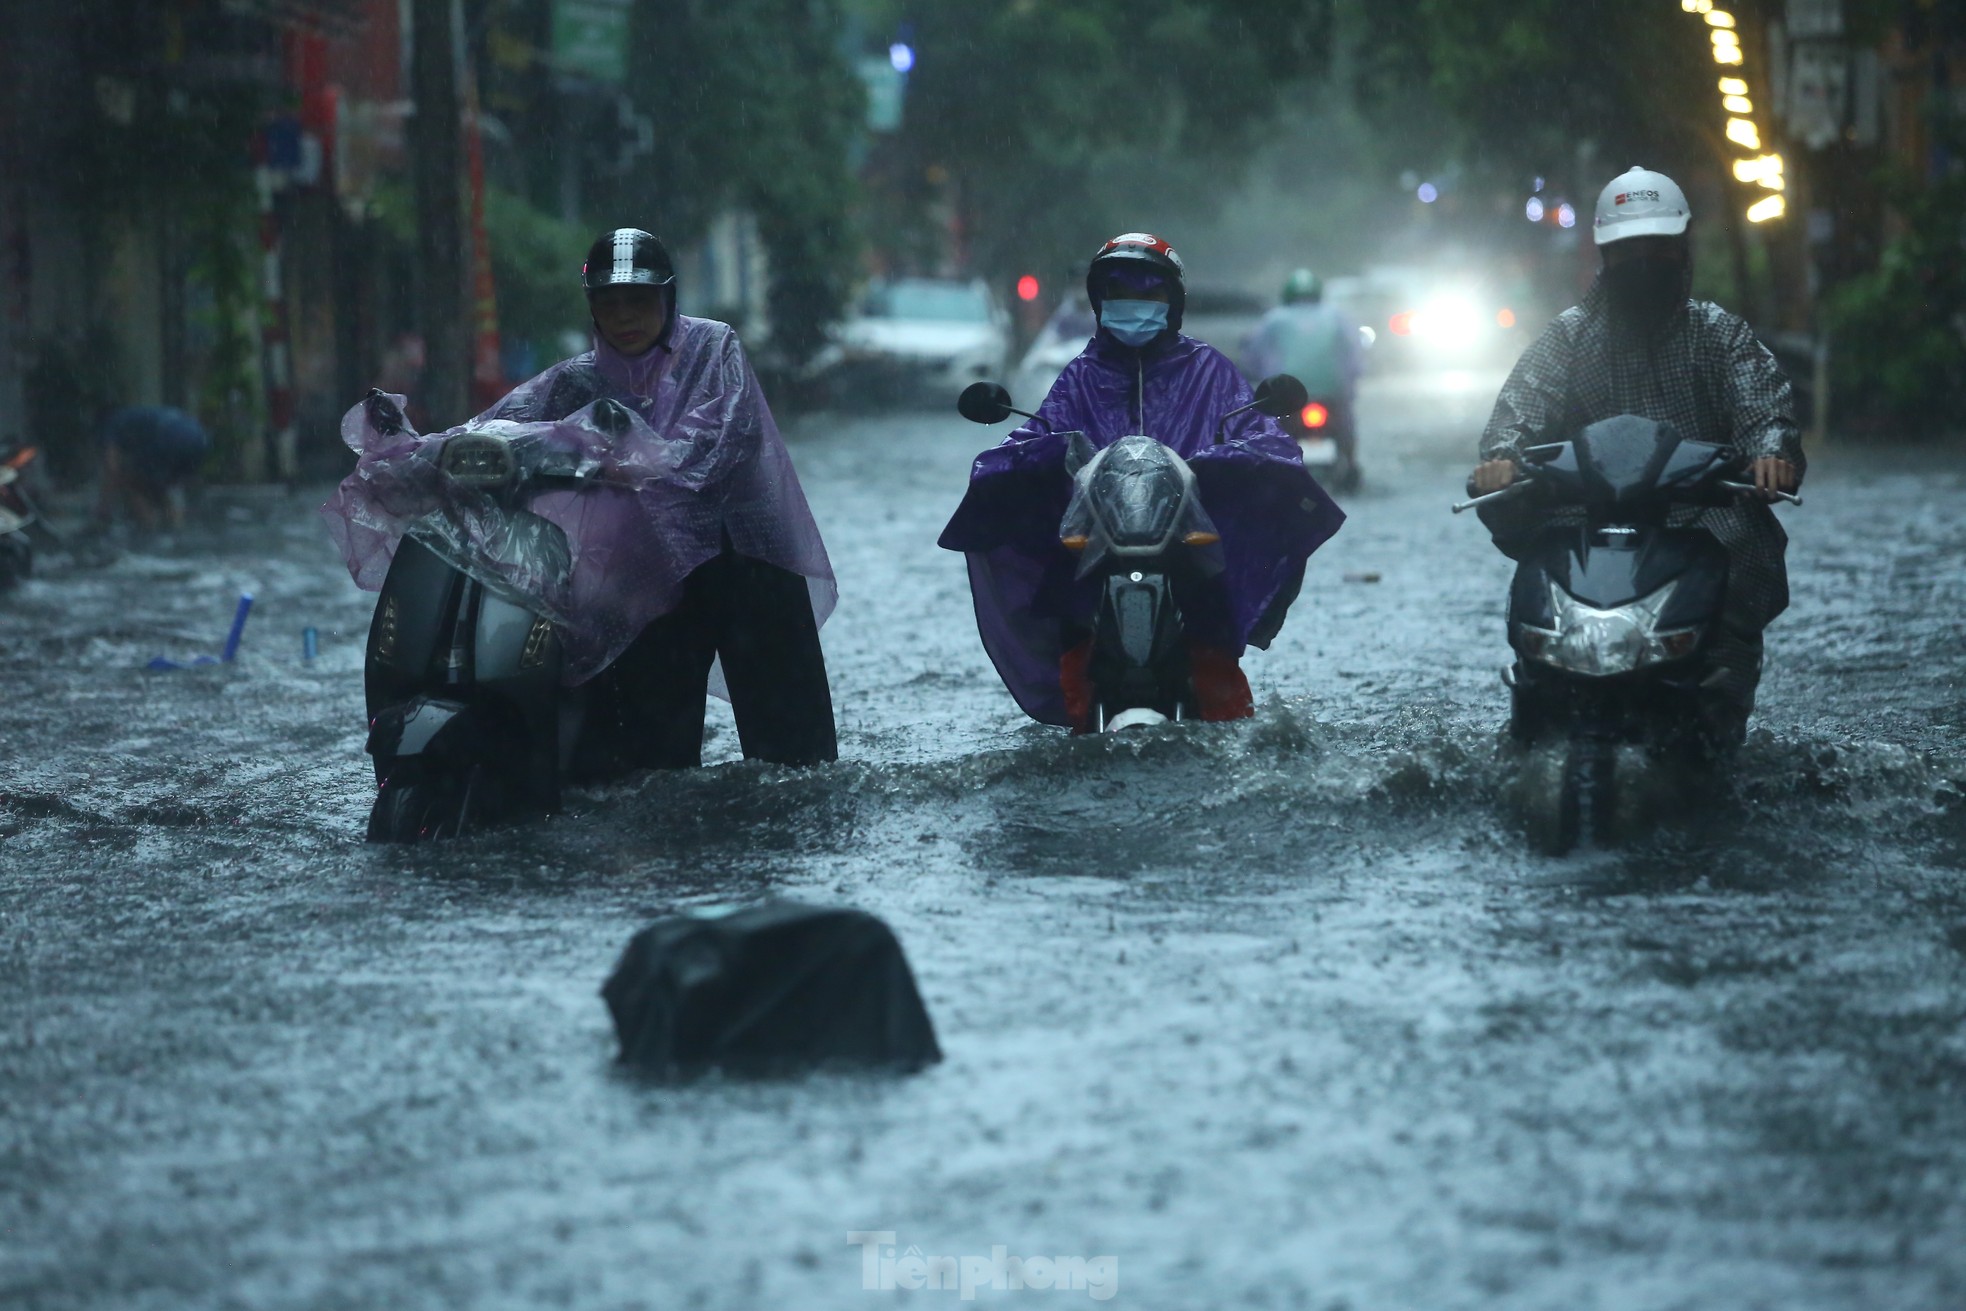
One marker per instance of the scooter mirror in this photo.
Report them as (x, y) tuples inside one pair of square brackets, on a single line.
[(1281, 395), (984, 402), (383, 415)]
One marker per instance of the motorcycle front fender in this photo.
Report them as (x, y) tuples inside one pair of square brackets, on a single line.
[(427, 726)]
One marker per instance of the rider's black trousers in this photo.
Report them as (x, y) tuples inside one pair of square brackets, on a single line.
[(646, 709)]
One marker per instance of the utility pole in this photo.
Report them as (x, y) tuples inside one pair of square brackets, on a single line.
[(438, 160)]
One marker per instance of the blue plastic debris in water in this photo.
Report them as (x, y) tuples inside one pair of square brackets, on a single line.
[(238, 626), (231, 641), (310, 643)]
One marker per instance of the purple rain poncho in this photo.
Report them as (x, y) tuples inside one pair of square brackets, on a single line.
[(700, 465), (1270, 511)]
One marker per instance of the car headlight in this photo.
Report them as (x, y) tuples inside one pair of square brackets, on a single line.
[(1601, 643), (1448, 321)]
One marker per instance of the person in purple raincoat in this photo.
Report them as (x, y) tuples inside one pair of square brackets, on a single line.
[(1138, 374), (695, 549)]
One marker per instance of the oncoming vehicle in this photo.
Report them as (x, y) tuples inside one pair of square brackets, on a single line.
[(1418, 319), (1057, 344), (915, 339), (1223, 317), (1136, 523), (1611, 615)]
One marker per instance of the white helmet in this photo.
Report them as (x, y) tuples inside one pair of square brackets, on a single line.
[(1640, 203)]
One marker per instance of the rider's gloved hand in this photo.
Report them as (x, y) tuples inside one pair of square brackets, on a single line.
[(1492, 476)]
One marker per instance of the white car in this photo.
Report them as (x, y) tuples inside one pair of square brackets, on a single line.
[(1057, 344), (923, 338)]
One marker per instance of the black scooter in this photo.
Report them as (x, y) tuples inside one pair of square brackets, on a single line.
[(468, 722), (1137, 524), (1613, 621)]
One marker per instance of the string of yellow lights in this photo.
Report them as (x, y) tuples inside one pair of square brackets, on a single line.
[(1763, 171)]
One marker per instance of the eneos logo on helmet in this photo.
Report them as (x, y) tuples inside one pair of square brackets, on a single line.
[(1635, 195)]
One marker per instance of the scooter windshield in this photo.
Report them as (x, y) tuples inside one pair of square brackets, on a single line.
[(1137, 492), (1621, 458)]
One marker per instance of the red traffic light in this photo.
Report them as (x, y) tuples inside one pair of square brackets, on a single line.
[(1315, 415), (1027, 288)]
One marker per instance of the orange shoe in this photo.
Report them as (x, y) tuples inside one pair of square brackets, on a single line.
[(1075, 680), (1221, 691)]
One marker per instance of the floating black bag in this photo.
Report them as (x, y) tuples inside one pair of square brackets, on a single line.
[(775, 989)]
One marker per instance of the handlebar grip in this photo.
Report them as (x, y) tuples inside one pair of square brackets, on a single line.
[(1520, 485), (1790, 497)]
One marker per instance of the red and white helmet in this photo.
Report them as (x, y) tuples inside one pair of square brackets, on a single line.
[(1640, 203), (1141, 251)]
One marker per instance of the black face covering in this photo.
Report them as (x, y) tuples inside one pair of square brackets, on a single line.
[(1642, 293)]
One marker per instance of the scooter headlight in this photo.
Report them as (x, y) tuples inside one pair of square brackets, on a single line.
[(1601, 643), (479, 460)]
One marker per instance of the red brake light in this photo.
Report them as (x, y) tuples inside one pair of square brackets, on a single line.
[(1315, 415)]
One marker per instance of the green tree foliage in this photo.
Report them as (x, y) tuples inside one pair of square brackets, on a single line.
[(535, 269), (1899, 352), (535, 261), (754, 106), (1518, 87), (1056, 123)]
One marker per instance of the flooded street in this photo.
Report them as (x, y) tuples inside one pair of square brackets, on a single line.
[(1274, 1014)]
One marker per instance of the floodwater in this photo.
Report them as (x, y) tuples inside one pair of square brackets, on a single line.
[(1275, 1014)]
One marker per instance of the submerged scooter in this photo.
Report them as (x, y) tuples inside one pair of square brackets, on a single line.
[(1612, 620), (20, 521), (1137, 525), (468, 722)]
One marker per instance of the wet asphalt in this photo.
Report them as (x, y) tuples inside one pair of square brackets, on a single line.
[(1276, 1014)]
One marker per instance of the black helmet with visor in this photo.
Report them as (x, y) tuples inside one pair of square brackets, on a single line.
[(1143, 260)]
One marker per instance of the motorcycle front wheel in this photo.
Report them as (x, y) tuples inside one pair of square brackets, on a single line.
[(416, 803), (1549, 796)]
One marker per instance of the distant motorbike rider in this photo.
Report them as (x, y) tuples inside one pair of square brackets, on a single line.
[(1638, 345), (1316, 344), (1138, 375), (740, 578)]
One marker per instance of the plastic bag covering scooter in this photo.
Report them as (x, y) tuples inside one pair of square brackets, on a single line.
[(20, 522), (1612, 615), (1136, 521), (529, 550), (465, 656), (697, 469)]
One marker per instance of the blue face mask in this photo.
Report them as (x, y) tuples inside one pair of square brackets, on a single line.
[(1134, 322)]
